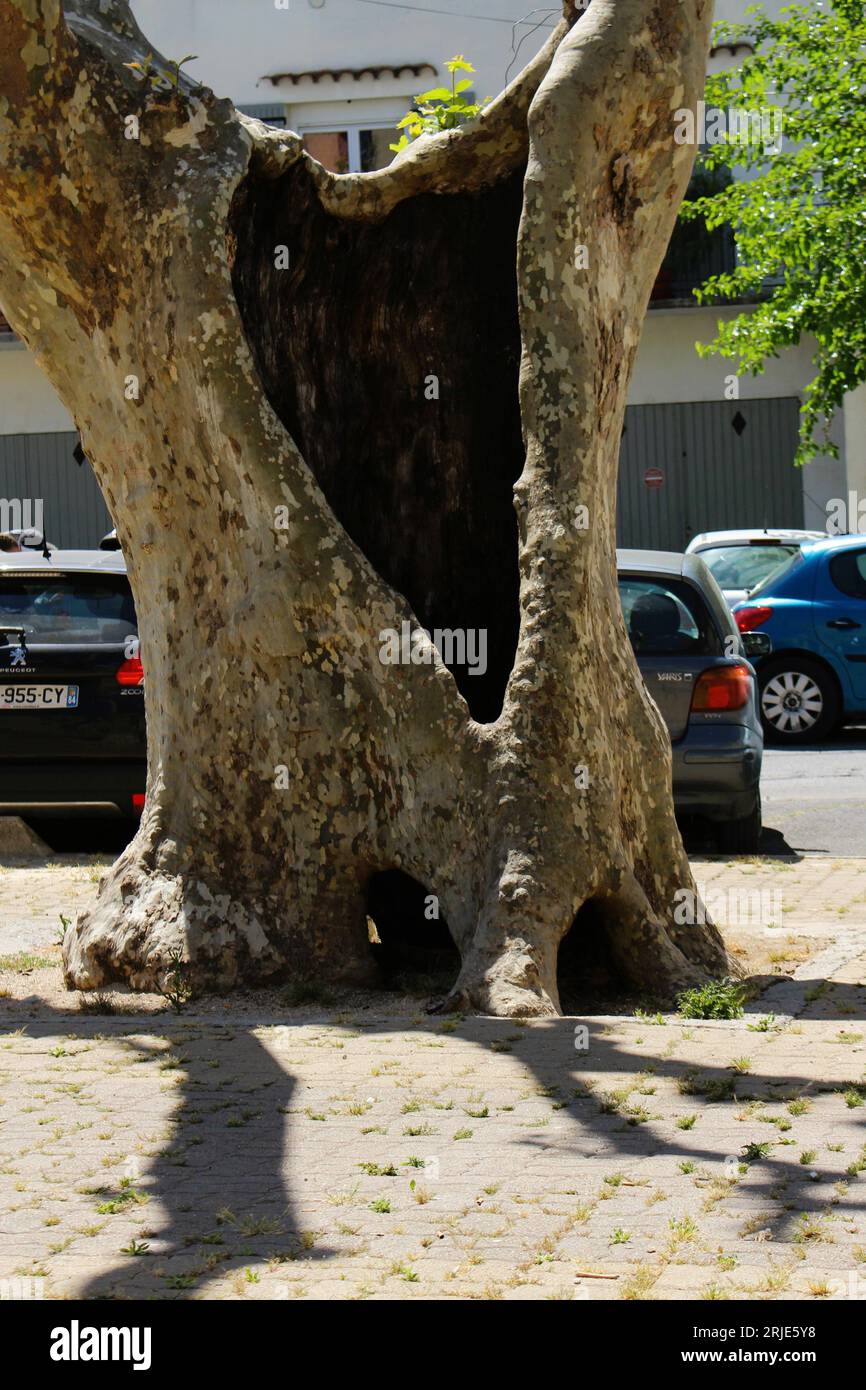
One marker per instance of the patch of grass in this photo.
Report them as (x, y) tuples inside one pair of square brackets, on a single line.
[(306, 990), (754, 1152), (381, 1205), (638, 1282), (798, 1106), (24, 961), (619, 1236), (813, 1227), (716, 1088), (682, 1230), (763, 1025), (126, 1197), (135, 1247), (717, 999), (686, 1121), (98, 1002), (462, 1134)]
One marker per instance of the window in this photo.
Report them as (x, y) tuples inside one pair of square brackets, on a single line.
[(60, 608), (746, 566), (848, 573), (666, 618), (353, 150)]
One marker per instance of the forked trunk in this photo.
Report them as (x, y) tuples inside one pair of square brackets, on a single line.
[(330, 414)]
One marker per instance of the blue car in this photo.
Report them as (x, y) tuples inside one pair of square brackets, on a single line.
[(814, 609)]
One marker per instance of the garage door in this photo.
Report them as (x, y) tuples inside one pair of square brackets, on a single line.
[(722, 465), (42, 467)]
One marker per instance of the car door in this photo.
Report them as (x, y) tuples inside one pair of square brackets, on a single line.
[(839, 616)]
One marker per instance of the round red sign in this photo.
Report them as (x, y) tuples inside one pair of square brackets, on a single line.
[(653, 477)]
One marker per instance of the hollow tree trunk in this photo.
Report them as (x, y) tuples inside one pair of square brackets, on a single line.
[(321, 407)]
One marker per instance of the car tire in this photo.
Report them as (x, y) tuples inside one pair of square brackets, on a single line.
[(799, 701), (743, 835)]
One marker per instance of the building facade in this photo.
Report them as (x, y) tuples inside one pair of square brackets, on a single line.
[(342, 73)]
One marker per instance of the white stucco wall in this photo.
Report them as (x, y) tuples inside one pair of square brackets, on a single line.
[(238, 42), (28, 402)]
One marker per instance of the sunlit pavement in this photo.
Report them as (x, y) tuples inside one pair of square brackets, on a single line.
[(367, 1150)]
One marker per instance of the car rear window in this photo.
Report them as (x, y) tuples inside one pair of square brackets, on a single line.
[(67, 608), (667, 617), (777, 576), (745, 566)]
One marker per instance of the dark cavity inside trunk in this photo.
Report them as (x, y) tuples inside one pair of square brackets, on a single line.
[(347, 341), (413, 950)]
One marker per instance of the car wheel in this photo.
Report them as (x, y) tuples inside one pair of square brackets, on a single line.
[(743, 835), (799, 701)]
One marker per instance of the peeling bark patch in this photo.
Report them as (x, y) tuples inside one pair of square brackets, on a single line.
[(623, 195), (666, 31), (20, 79)]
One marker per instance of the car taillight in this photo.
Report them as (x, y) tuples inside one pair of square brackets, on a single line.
[(131, 672), (723, 687), (747, 619), (138, 802)]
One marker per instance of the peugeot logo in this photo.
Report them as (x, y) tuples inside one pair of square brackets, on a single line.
[(19, 656)]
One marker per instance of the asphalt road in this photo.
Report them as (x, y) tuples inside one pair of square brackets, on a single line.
[(815, 798), (814, 801)]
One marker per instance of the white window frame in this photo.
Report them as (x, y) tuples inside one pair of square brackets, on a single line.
[(353, 135)]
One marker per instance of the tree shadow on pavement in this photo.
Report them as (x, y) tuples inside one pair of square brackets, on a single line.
[(223, 1172)]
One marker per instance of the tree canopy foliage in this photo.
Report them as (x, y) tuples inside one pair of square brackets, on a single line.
[(798, 207)]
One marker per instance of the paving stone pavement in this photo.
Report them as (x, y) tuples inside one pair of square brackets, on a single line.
[(34, 897), (306, 1153)]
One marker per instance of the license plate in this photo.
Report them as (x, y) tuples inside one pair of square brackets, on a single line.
[(21, 697)]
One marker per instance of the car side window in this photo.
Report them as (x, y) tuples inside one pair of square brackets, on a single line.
[(848, 573), (665, 619)]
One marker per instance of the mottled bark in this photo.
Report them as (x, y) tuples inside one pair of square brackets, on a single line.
[(264, 396)]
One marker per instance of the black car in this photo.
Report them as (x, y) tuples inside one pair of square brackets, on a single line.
[(694, 662), (72, 731)]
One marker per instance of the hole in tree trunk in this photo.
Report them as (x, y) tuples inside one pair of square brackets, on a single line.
[(414, 951), (390, 350), (586, 973)]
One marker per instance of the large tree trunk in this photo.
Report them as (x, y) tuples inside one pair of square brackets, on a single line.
[(285, 491)]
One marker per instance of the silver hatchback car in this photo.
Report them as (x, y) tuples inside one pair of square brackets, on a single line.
[(695, 665)]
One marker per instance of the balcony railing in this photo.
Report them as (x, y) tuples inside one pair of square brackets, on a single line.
[(694, 254)]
